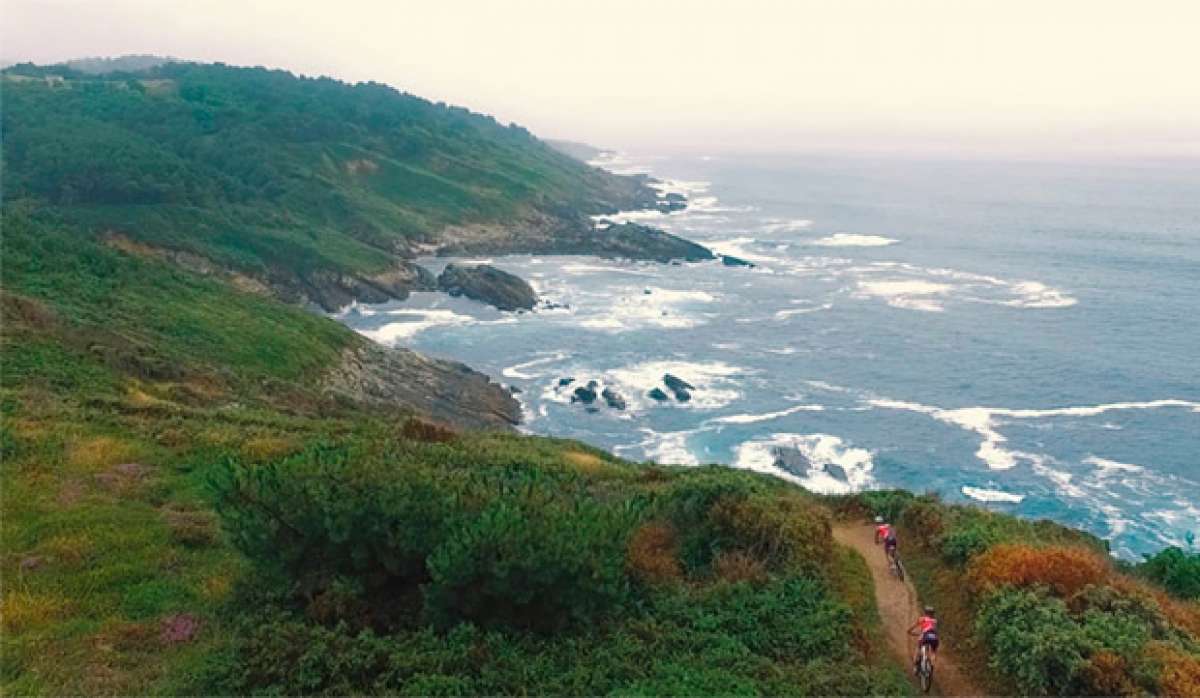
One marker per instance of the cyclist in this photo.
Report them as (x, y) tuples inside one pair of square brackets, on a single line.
[(881, 529), (926, 627), (885, 533)]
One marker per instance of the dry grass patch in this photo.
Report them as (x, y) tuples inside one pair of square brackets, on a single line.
[(70, 549), (265, 448), (21, 610), (99, 452), (1065, 570), (590, 464), (653, 554), (736, 566)]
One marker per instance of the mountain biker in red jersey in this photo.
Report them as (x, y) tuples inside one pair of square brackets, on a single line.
[(926, 626), (885, 533)]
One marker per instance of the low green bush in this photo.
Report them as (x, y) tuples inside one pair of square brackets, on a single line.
[(540, 564), (1176, 570)]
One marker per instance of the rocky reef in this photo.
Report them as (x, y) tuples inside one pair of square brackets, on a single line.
[(487, 284)]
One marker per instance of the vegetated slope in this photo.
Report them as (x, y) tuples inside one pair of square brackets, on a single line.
[(314, 187), (1036, 608)]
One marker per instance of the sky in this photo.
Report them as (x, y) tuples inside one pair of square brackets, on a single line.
[(1022, 77)]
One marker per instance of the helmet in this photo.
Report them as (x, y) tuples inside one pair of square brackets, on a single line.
[(929, 610), (878, 519)]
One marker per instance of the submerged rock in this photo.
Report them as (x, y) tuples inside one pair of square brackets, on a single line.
[(658, 394), (613, 398), (487, 284), (563, 382)]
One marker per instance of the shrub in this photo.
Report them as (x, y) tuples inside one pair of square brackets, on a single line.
[(1064, 570), (324, 513), (1033, 640), (783, 532), (736, 566), (531, 566), (961, 544), (653, 554), (1177, 571), (426, 431), (1178, 673), (1107, 674)]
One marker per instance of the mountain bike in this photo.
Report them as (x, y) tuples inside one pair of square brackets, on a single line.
[(895, 566), (924, 667)]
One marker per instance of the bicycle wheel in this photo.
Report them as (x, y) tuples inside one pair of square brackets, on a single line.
[(926, 671), (899, 570)]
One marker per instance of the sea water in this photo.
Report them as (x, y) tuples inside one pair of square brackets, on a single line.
[(1021, 334)]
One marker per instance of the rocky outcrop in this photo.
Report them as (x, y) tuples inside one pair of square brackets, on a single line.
[(613, 399), (680, 387), (658, 395), (576, 236), (447, 391), (333, 291), (487, 284), (585, 393), (731, 261)]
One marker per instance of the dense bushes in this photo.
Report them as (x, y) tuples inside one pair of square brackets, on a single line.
[(1065, 570), (1177, 571), (490, 566), (1052, 611)]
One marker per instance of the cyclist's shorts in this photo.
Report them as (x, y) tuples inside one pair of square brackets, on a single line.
[(890, 544), (930, 638)]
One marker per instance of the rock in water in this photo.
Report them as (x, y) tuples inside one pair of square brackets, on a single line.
[(584, 394), (731, 261), (658, 394), (487, 284), (564, 382), (613, 398), (678, 386)]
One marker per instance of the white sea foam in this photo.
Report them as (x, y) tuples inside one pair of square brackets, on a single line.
[(765, 417), (989, 495), (519, 370), (715, 382), (821, 451), (669, 448), (785, 314), (650, 307), (854, 240), (737, 247), (911, 294), (1106, 468), (414, 321), (780, 225), (982, 420)]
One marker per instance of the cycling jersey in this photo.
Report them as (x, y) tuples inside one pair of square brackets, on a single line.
[(883, 531), (927, 624)]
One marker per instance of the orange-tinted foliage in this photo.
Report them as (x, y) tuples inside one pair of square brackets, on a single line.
[(1064, 570), (1107, 674), (1180, 674), (736, 566), (426, 431), (652, 555)]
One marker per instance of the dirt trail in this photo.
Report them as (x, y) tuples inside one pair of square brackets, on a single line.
[(898, 608)]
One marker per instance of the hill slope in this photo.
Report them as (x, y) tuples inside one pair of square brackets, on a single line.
[(315, 188), (207, 490)]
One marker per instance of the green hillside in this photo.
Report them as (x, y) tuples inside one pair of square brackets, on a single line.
[(314, 187), (207, 490)]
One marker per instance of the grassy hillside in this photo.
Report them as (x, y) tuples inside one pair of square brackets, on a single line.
[(206, 490), (306, 185)]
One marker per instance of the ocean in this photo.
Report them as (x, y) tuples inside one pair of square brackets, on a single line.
[(1023, 335)]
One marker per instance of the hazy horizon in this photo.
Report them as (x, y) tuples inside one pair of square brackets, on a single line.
[(929, 76)]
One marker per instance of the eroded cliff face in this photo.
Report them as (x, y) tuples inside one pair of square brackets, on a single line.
[(446, 391)]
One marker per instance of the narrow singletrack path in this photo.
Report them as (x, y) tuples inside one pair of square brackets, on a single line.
[(898, 608)]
